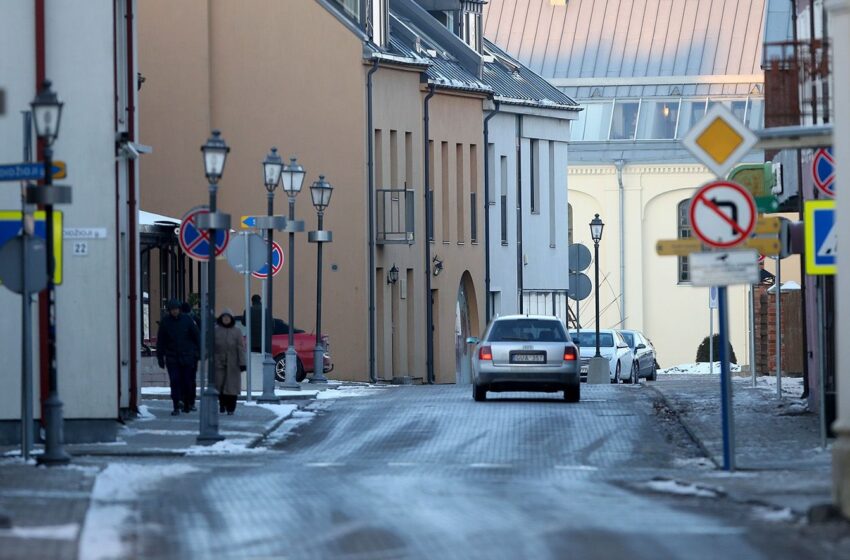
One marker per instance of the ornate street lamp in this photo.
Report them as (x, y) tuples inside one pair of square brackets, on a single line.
[(293, 178), (596, 227), (320, 192), (215, 155), (47, 114), (392, 275), (272, 169)]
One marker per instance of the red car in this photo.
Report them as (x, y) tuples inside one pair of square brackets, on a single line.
[(304, 345)]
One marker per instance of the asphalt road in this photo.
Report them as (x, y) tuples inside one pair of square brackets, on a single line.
[(425, 472)]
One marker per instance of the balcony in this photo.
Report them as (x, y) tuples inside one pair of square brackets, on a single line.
[(395, 216)]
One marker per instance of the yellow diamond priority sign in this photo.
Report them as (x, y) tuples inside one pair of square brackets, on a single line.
[(719, 140)]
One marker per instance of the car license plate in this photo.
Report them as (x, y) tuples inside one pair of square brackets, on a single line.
[(584, 369), (528, 358)]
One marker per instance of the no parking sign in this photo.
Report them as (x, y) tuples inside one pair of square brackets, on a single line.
[(195, 241)]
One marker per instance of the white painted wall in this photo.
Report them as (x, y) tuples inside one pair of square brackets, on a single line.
[(79, 61), (545, 257)]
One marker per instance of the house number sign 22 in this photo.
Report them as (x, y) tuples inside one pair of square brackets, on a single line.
[(81, 248)]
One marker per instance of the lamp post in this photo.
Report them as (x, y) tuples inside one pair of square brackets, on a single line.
[(47, 114), (320, 192), (293, 178), (272, 169), (215, 154), (596, 227)]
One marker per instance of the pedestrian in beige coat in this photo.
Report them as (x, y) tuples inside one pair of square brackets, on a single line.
[(229, 361)]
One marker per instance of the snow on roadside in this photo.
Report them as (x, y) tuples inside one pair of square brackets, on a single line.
[(791, 386), (351, 391), (145, 413), (681, 488), (115, 490), (774, 515), (224, 447), (67, 532), (697, 368)]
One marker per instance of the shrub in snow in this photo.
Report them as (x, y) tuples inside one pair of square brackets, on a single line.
[(703, 354)]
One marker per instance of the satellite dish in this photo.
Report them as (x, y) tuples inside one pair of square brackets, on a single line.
[(579, 257), (580, 286)]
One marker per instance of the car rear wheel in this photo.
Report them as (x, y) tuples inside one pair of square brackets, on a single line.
[(479, 393), (280, 369), (616, 374), (636, 373), (572, 393)]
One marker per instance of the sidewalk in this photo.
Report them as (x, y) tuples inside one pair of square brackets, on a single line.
[(779, 459)]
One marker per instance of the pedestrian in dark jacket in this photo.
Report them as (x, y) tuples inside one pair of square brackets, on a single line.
[(229, 361), (177, 343), (186, 310), (256, 318)]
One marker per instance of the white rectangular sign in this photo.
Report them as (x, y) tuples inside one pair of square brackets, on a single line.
[(724, 268), (84, 233)]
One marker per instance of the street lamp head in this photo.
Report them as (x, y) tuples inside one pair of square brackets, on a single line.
[(293, 177), (392, 275), (272, 168), (215, 153), (321, 192), (438, 265), (47, 113), (596, 227)]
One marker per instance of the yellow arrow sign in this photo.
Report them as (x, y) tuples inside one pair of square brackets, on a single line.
[(766, 225), (678, 247), (764, 245)]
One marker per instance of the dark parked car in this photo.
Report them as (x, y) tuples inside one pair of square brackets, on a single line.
[(644, 351)]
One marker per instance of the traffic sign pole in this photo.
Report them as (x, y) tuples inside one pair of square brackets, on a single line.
[(726, 382), (778, 286), (246, 274)]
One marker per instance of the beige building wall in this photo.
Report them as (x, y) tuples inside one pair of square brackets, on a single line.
[(674, 316), (245, 68), (456, 130)]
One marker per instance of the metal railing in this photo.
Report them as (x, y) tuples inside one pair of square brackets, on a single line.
[(394, 216), (549, 302)]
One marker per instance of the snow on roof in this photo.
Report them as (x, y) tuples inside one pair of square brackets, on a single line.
[(151, 219)]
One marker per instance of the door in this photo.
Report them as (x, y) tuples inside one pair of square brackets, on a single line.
[(462, 332)]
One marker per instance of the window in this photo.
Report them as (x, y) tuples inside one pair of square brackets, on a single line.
[(408, 160), (658, 119), (535, 177), (473, 193), (569, 224), (379, 159), (444, 188), (460, 191), (587, 339), (527, 330), (350, 7), (683, 232), (593, 122), (503, 199), (755, 114), (430, 202), (624, 120), (690, 113), (552, 207), (491, 173), (394, 159)]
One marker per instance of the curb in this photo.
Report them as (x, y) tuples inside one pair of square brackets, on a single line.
[(682, 422)]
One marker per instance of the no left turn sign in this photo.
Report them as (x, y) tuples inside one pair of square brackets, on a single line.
[(723, 214)]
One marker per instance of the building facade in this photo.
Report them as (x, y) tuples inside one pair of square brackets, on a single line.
[(644, 75), (87, 50)]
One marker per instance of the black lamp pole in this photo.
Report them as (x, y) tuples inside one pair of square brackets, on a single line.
[(596, 227)]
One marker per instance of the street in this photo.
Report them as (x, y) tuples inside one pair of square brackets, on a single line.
[(424, 472)]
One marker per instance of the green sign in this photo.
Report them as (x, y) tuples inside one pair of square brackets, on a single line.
[(758, 178)]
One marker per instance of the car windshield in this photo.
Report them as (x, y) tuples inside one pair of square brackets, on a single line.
[(630, 339), (606, 340), (527, 330)]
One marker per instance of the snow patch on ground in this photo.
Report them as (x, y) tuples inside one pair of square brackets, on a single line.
[(345, 392), (698, 462), (791, 386), (67, 532), (697, 368), (224, 447), (145, 413), (682, 488), (285, 430), (115, 490), (774, 515)]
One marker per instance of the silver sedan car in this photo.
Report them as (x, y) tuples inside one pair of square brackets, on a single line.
[(525, 353)]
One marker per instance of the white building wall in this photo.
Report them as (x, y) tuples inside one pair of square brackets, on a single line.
[(79, 62), (544, 251)]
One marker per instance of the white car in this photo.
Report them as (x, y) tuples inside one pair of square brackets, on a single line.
[(613, 347)]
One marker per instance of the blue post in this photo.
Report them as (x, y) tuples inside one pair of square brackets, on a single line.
[(725, 382)]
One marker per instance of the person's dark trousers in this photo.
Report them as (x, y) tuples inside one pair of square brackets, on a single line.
[(227, 403), (192, 388), (182, 383)]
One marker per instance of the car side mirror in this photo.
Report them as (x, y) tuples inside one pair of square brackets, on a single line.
[(640, 346), (622, 346), (472, 340)]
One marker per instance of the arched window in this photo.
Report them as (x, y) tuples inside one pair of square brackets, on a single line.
[(683, 231), (569, 224)]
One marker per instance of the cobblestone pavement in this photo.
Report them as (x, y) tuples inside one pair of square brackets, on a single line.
[(425, 472)]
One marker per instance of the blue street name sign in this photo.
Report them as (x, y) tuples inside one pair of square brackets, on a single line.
[(30, 171)]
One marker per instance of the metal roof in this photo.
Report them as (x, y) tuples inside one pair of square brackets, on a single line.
[(512, 82), (634, 41)]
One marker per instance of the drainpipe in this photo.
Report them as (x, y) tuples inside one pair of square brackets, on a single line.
[(519, 271), (619, 163), (488, 303), (371, 205), (429, 305)]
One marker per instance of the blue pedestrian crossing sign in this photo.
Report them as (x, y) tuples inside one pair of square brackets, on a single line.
[(821, 237)]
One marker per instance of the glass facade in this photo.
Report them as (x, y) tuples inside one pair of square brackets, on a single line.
[(655, 118)]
